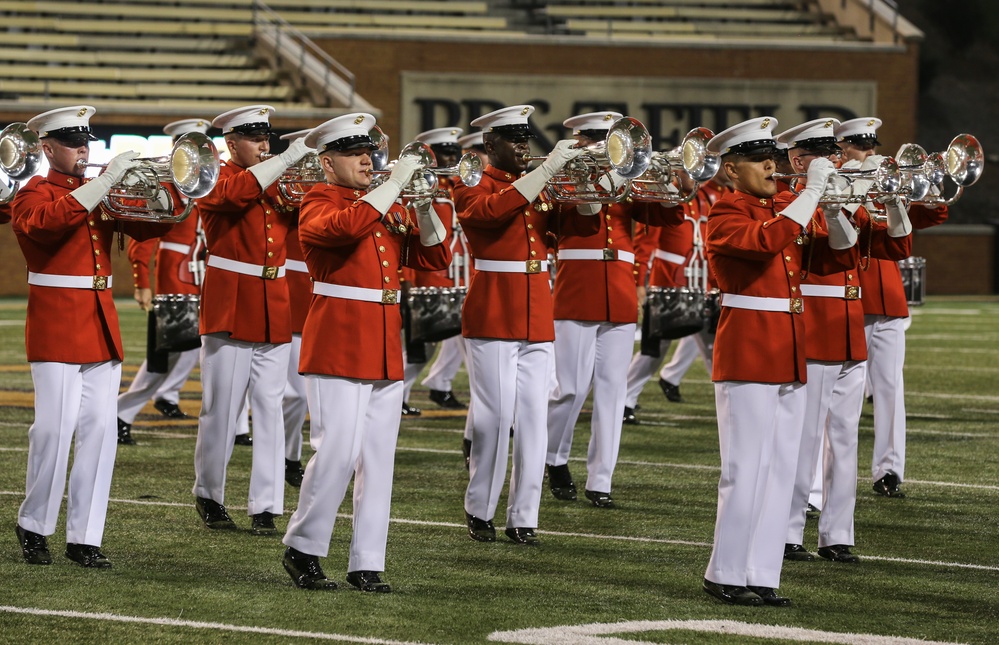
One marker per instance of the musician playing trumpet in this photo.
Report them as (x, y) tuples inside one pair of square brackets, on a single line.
[(72, 337), (355, 242)]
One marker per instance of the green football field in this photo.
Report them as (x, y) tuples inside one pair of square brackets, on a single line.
[(929, 569)]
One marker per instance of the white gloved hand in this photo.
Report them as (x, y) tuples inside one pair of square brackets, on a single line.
[(842, 234), (270, 170), (589, 209), (531, 184), (382, 198), (898, 218), (802, 208), (91, 193), (432, 230)]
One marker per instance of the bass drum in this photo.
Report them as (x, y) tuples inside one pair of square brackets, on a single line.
[(434, 313), (674, 312), (176, 322), (913, 271)]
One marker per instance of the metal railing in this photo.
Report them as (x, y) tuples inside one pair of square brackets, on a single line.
[(305, 57)]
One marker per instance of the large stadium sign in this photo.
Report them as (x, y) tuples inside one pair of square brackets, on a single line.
[(669, 107)]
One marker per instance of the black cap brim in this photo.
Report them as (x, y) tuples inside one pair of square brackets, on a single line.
[(252, 129), (73, 137), (750, 148), (862, 139), (349, 143), (516, 131)]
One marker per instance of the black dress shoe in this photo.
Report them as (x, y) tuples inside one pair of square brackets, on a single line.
[(88, 556), (368, 581), (598, 499), (838, 553), (887, 486), (305, 571), (169, 409), (480, 530), (671, 391), (125, 433), (797, 553), (732, 594), (770, 597), (410, 411), (560, 482), (523, 536), (213, 514), (293, 472), (466, 449), (811, 512), (263, 524), (243, 440), (629, 416), (446, 400), (34, 547)]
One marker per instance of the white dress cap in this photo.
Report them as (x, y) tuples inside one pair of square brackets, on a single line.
[(245, 120), (865, 127), (818, 132), (440, 135), (514, 117), (184, 126), (746, 137), (297, 134), (592, 121), (471, 140), (342, 133), (63, 121)]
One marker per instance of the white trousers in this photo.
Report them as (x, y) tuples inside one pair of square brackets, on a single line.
[(835, 397), (510, 386), (449, 359), (688, 349), (295, 404), (885, 359), (640, 370), (589, 355), (759, 432), (151, 385), (358, 424), (231, 369), (71, 399)]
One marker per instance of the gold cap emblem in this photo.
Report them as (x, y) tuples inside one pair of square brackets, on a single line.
[(525, 111), (81, 112), (765, 124), (828, 124), (608, 117), (358, 120), (870, 123), (263, 111), (454, 133)]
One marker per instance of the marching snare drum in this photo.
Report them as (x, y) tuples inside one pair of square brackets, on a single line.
[(434, 313), (674, 312), (913, 271), (712, 310), (176, 322)]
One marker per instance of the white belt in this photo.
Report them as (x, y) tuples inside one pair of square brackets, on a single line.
[(512, 266), (383, 296), (177, 248), (596, 254), (672, 258), (296, 265), (786, 305), (95, 282), (244, 268), (849, 292)]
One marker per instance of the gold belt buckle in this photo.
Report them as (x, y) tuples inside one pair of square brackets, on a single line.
[(100, 282), (610, 254), (389, 297), (533, 266), (852, 292), (269, 273), (797, 306)]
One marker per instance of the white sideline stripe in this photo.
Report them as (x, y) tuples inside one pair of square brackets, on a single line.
[(970, 397), (13, 450), (173, 622), (11, 323), (952, 368), (988, 338), (600, 633), (952, 350), (588, 536), (943, 433), (946, 312)]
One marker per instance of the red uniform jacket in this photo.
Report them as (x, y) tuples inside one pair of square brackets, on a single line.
[(173, 275), (444, 206), (835, 326), (57, 236), (883, 293), (299, 282), (4, 213), (245, 224), (348, 243), (501, 225), (753, 252)]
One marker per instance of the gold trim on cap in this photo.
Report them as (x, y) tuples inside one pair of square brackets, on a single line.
[(765, 124), (81, 112), (525, 111), (358, 120)]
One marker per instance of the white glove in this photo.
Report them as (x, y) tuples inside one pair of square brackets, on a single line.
[(588, 209), (382, 198), (898, 218), (802, 208), (91, 193), (531, 184), (432, 230), (269, 171), (842, 234)]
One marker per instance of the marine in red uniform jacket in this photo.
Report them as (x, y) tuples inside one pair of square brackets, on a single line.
[(173, 276)]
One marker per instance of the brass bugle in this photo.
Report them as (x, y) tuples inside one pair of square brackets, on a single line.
[(20, 156)]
